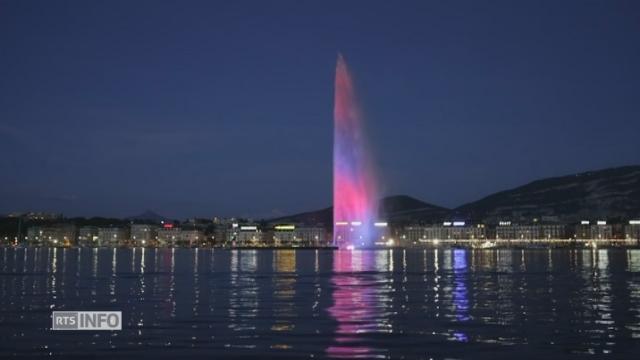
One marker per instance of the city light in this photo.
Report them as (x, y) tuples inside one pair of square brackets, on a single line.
[(458, 223), (584, 222), (285, 227), (634, 222), (342, 223), (602, 222), (380, 224)]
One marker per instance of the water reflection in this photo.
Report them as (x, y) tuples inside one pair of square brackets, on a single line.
[(284, 292), (312, 303), (359, 296), (460, 295)]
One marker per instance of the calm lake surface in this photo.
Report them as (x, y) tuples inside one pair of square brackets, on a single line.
[(412, 304)]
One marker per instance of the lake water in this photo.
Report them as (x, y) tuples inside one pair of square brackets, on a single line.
[(214, 303)]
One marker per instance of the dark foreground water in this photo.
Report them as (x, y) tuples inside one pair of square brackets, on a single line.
[(314, 304)]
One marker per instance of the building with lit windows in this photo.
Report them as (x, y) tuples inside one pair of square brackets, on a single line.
[(293, 235), (88, 236), (56, 235), (244, 235), (507, 231), (632, 230), (112, 236), (190, 238), (168, 236), (588, 230), (143, 234), (312, 236), (457, 230)]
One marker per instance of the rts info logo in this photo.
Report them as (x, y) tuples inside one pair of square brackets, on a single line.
[(86, 320)]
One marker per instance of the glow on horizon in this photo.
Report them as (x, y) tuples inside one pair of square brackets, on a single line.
[(354, 185)]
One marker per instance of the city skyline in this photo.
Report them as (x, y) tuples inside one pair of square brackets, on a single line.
[(319, 179), (202, 115)]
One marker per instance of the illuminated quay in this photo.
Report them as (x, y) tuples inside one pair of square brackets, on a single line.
[(233, 234)]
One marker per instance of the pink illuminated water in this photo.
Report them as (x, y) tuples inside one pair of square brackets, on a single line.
[(354, 185), (354, 305)]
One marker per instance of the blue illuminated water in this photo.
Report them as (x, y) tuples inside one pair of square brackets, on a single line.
[(409, 304)]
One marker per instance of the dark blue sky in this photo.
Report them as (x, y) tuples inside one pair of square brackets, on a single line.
[(225, 108)]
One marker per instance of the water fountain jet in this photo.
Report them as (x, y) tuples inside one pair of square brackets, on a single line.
[(355, 193)]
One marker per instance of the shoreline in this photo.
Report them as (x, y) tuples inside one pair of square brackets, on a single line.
[(579, 246)]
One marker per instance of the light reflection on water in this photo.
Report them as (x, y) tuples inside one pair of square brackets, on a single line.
[(446, 303)]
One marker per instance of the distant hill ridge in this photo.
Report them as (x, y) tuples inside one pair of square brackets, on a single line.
[(392, 208), (148, 215), (608, 193), (612, 193)]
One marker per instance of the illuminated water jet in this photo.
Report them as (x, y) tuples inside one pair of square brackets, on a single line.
[(355, 194)]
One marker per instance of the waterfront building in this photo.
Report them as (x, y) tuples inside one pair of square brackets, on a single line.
[(312, 236), (583, 230), (246, 235), (56, 235), (632, 230), (414, 234), (34, 236), (293, 235), (88, 236), (168, 236), (190, 238), (112, 236), (237, 234), (589, 230), (507, 231), (143, 234), (458, 230), (282, 235), (219, 236), (553, 231)]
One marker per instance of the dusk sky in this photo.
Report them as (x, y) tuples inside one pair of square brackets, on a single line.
[(211, 108)]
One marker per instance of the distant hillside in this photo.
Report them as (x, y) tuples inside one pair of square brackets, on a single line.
[(317, 217), (405, 209), (399, 208), (610, 193)]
